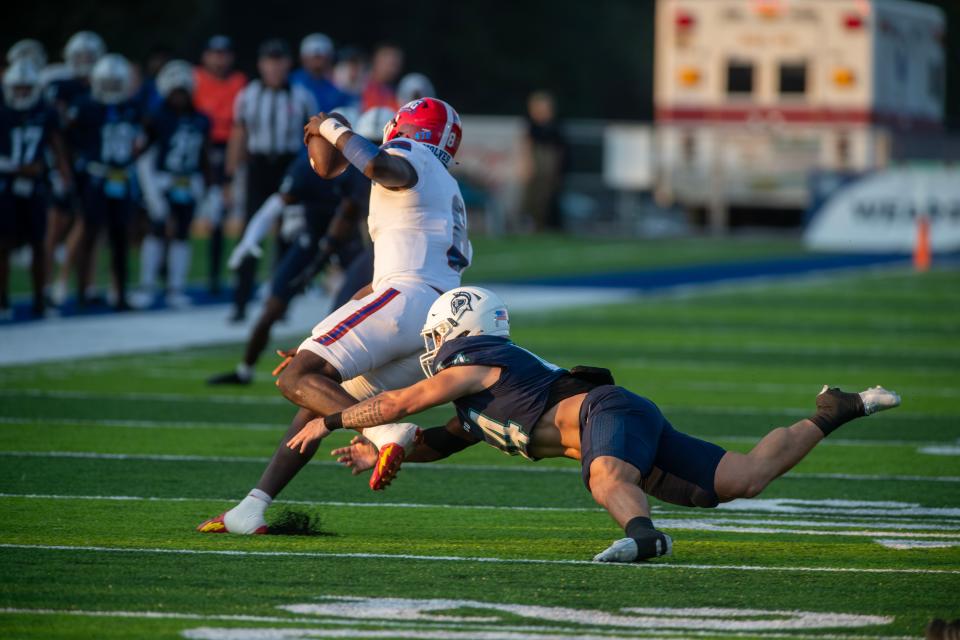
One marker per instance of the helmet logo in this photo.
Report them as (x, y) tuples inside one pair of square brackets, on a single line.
[(460, 303), (423, 134)]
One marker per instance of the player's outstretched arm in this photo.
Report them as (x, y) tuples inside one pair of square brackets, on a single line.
[(391, 406), (390, 171)]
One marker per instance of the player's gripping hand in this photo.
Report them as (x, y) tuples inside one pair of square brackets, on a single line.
[(359, 456), (312, 128), (313, 431)]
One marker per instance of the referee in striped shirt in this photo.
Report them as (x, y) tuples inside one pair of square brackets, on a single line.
[(267, 134)]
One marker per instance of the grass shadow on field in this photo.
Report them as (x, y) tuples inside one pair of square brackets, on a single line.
[(294, 522)]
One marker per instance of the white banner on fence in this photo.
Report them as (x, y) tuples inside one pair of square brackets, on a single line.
[(878, 213)]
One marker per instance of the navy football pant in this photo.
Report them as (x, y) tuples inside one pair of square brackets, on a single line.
[(615, 422)]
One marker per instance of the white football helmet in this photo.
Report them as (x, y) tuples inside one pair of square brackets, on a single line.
[(464, 311), (82, 51), (414, 86), (29, 49), (176, 74), (111, 80), (372, 122), (22, 85)]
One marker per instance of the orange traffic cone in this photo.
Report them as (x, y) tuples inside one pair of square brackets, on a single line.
[(921, 251)]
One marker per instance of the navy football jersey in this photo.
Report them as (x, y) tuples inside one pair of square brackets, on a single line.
[(180, 140), (318, 198), (104, 133), (505, 413), (62, 92), (24, 136)]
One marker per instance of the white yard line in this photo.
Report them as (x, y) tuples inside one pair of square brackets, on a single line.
[(692, 520), (485, 560), (514, 468)]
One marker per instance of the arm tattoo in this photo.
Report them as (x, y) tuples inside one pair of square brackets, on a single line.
[(368, 413)]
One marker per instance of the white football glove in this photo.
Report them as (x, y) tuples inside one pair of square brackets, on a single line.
[(241, 251)]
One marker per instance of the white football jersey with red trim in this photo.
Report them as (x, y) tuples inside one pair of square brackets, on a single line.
[(419, 234)]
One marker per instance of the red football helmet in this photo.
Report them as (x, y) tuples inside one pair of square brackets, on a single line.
[(430, 121)]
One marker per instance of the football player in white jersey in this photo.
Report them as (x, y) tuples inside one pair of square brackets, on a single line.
[(418, 224)]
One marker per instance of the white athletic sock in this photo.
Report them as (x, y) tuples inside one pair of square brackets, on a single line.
[(248, 516), (402, 433), (151, 255), (245, 372), (179, 264)]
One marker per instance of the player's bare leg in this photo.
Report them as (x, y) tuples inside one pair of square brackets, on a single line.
[(615, 485), (322, 388), (745, 475), (311, 382)]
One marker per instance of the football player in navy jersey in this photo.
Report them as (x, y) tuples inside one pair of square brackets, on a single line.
[(173, 173), (64, 84), (327, 214), (28, 129), (515, 401), (107, 132)]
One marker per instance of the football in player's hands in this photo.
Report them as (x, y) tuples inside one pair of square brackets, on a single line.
[(325, 159)]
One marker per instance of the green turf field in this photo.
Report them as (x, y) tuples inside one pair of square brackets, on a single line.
[(106, 465)]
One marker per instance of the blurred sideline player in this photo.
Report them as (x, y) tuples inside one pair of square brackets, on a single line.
[(216, 85), (359, 272), (28, 130), (316, 67), (106, 129), (517, 402), (328, 211), (172, 174), (417, 221), (64, 84)]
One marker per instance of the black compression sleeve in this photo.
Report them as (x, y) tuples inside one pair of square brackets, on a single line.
[(444, 442)]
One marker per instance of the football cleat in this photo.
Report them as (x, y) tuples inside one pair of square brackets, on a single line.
[(628, 549), (388, 466), (394, 442), (218, 525), (231, 377), (876, 399)]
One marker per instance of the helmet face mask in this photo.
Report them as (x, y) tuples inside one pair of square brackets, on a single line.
[(433, 339), (21, 85), (111, 79)]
